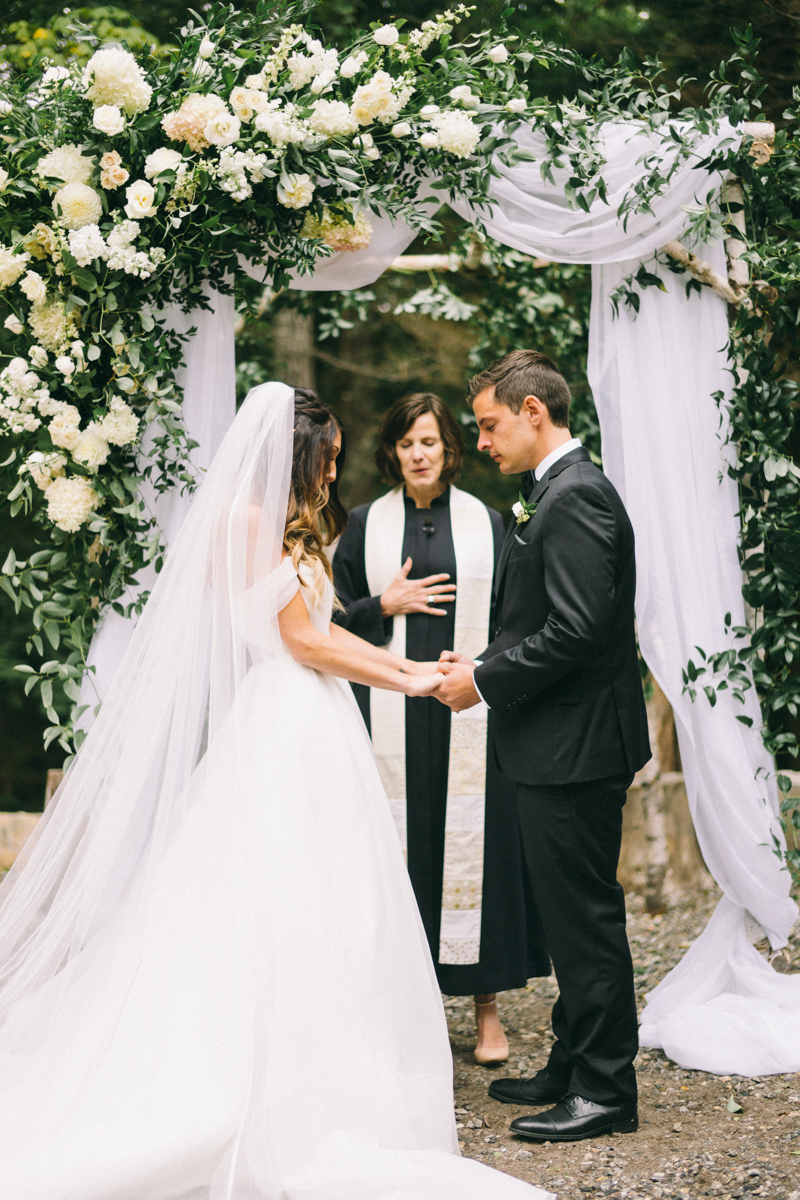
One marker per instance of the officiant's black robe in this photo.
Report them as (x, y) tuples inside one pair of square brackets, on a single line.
[(512, 943)]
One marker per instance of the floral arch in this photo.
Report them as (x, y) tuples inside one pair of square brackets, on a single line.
[(131, 195)]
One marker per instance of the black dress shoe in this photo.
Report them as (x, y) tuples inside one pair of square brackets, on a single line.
[(575, 1118), (542, 1089)]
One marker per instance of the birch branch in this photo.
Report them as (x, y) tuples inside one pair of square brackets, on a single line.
[(702, 271)]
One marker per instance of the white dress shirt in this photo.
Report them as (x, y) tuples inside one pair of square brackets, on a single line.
[(539, 473)]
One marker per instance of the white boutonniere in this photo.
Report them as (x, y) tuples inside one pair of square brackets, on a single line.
[(522, 510)]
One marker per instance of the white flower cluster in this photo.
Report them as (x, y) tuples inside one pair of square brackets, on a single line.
[(333, 118), (21, 392), (121, 255), (11, 266), (281, 124), (112, 76), (318, 67), (70, 502), (160, 160), (66, 163), (86, 244), (54, 77), (44, 468), (295, 191), (381, 99), (277, 59), (233, 168), (51, 325), (338, 232), (455, 132), (248, 101), (120, 426), (429, 31)]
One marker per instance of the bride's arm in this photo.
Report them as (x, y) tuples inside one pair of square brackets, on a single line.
[(378, 654), (330, 655)]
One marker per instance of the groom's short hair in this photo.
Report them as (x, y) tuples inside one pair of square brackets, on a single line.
[(525, 373)]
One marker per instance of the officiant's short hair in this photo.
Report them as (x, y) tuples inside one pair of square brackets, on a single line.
[(525, 373), (396, 424)]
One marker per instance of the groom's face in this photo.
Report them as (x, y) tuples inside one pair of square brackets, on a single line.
[(510, 438)]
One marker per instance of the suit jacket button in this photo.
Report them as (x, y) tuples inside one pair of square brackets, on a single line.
[(498, 631)]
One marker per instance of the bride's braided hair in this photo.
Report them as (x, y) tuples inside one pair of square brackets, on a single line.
[(316, 515)]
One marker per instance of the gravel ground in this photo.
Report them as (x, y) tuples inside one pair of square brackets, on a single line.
[(689, 1143)]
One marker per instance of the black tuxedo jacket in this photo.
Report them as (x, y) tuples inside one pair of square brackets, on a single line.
[(561, 674)]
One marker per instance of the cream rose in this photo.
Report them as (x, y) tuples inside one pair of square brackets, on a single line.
[(160, 160), (34, 287), (222, 130), (78, 205), (140, 195), (108, 119), (387, 35), (353, 64)]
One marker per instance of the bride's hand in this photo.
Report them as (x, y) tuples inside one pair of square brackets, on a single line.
[(419, 668), (422, 685)]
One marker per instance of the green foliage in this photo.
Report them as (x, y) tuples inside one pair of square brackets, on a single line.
[(72, 36)]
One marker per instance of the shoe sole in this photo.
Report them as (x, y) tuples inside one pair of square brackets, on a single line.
[(630, 1126), (520, 1101)]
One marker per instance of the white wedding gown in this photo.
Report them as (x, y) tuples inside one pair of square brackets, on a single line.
[(260, 1019)]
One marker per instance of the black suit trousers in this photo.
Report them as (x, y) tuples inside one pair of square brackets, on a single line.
[(571, 835)]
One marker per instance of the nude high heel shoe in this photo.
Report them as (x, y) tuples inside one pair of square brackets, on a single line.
[(492, 1047)]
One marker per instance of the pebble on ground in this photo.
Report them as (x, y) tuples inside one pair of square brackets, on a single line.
[(699, 1134)]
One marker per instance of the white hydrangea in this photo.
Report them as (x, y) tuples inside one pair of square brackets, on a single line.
[(295, 191), (305, 67), (11, 266), (70, 502), (353, 64), (91, 449), (113, 76), (301, 70), (281, 125), (34, 287), (44, 468), (65, 426), (67, 163), (86, 244), (77, 205), (120, 425), (458, 133), (50, 324), (21, 391), (332, 118)]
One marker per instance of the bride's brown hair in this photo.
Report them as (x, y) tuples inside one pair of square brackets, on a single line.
[(316, 515)]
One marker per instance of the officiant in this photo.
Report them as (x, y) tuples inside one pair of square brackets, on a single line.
[(414, 571)]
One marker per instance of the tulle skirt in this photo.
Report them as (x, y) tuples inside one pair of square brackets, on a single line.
[(260, 1020)]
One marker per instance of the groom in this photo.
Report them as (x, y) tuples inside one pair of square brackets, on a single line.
[(561, 676)]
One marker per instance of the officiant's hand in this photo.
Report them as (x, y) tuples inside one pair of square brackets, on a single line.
[(457, 690), (404, 595)]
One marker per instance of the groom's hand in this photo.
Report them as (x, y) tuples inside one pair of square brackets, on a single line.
[(457, 690), (452, 656)]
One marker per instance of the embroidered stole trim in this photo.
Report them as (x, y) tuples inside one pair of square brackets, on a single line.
[(462, 889)]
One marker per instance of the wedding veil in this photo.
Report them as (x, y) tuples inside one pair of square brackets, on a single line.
[(101, 839)]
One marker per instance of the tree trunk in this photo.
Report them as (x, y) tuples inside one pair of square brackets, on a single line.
[(293, 348)]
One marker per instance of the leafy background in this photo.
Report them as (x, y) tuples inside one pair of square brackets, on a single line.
[(401, 334)]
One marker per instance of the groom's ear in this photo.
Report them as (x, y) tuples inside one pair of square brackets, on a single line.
[(535, 409)]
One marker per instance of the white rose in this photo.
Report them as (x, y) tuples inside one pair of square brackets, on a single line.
[(44, 468), (38, 356), (401, 129), (517, 509), (201, 69), (429, 141), (223, 129), (518, 104), (429, 110), (79, 205), (295, 191), (387, 35), (65, 365), (254, 83), (13, 324), (108, 119), (34, 287), (464, 95), (321, 81), (160, 160), (206, 48), (4, 177), (140, 200), (5, 108), (498, 54), (353, 64)]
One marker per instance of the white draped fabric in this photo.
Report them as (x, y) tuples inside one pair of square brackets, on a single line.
[(653, 377)]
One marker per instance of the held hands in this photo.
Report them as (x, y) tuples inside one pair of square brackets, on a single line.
[(422, 685), (457, 690), (405, 595)]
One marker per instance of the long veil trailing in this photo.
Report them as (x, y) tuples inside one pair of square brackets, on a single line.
[(214, 983)]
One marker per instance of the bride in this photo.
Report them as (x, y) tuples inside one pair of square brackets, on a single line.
[(214, 984)]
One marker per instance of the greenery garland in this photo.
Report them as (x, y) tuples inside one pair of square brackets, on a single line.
[(271, 148)]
